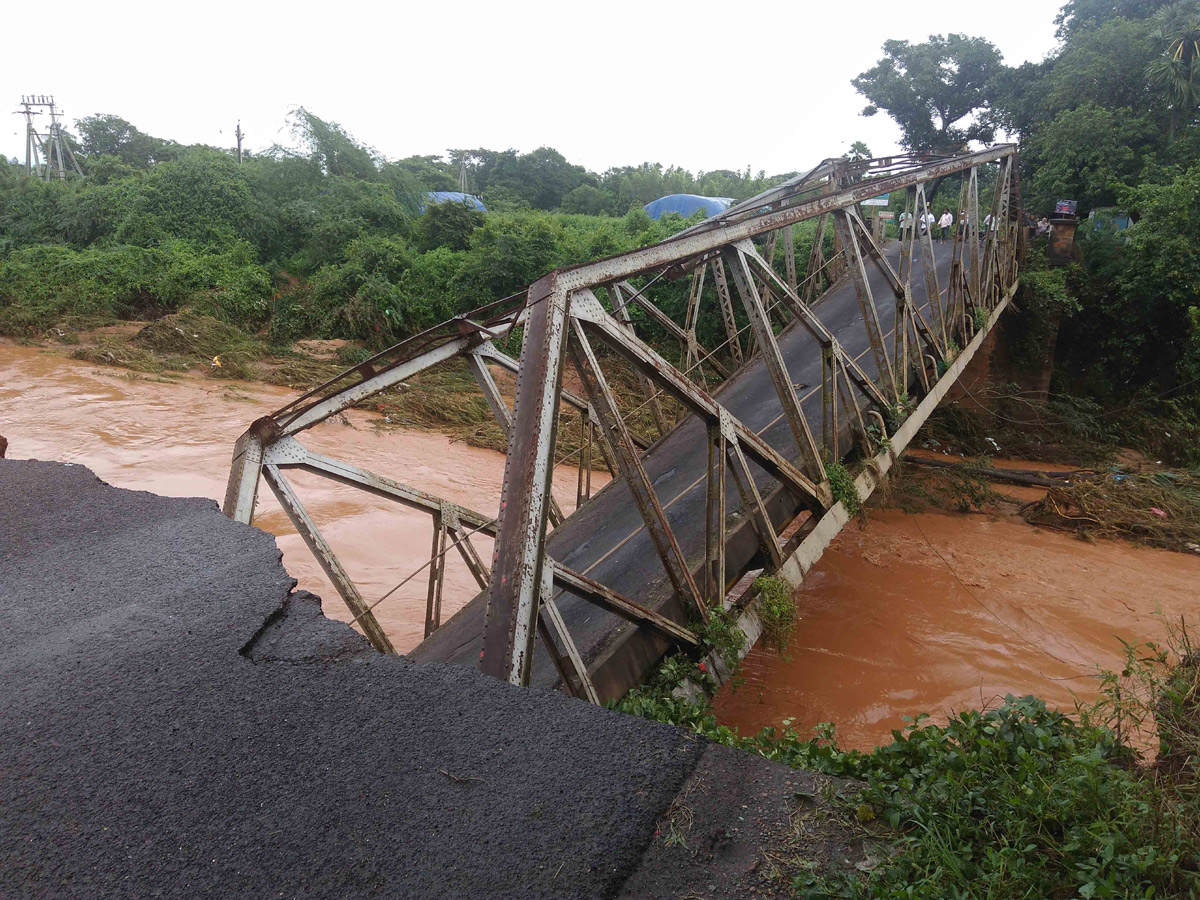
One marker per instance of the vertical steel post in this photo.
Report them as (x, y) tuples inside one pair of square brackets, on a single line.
[(242, 488), (789, 256), (727, 316), (437, 576), (973, 234), (715, 514), (514, 593), (829, 401), (814, 275), (933, 289), (906, 243)]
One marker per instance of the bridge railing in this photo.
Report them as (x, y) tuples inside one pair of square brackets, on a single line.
[(595, 317)]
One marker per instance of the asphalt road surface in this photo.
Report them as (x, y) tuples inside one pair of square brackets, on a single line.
[(603, 538), (175, 722)]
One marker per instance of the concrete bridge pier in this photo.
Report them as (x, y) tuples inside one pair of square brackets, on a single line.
[(1001, 360)]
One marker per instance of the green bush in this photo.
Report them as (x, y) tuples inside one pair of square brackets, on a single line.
[(41, 285), (776, 610), (1015, 801), (202, 196), (843, 488)]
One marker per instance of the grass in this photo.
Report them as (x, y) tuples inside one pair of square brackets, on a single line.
[(118, 352), (776, 610), (1012, 801), (844, 490), (227, 350)]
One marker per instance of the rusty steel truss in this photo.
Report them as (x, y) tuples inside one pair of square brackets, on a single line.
[(644, 372)]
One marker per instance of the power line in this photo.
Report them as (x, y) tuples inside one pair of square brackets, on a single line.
[(46, 153)]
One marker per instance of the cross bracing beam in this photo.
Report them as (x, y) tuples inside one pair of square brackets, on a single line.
[(761, 473)]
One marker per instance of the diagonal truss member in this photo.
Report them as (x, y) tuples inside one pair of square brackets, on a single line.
[(764, 488)]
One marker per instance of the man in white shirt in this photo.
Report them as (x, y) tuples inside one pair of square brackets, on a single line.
[(927, 221), (945, 223)]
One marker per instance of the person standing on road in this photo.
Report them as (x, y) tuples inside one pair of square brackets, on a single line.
[(945, 223), (903, 224), (927, 222)]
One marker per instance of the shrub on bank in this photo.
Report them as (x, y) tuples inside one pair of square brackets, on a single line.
[(1014, 801), (44, 284)]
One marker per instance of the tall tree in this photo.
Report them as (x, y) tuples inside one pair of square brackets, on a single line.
[(331, 148), (1079, 15), (938, 92), (1176, 73), (858, 151), (108, 135)]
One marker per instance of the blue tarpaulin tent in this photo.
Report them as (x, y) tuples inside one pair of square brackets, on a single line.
[(454, 197), (686, 204)]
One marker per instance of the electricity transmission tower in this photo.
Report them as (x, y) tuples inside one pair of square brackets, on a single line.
[(46, 153)]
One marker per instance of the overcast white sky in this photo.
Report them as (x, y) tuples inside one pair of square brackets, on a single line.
[(609, 83)]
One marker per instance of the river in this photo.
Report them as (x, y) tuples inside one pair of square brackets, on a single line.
[(907, 613), (937, 612), (176, 437)]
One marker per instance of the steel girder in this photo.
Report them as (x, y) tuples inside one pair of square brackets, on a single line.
[(589, 315)]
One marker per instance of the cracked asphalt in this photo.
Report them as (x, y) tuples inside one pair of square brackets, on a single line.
[(175, 721)]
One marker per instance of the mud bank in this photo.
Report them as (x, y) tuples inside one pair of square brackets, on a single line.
[(175, 437), (937, 612)]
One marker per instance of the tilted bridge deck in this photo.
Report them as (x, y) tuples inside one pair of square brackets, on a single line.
[(611, 587)]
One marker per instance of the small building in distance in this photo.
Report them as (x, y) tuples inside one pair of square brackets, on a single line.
[(687, 204), (454, 197)]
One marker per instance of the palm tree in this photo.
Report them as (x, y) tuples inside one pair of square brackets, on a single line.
[(1177, 72), (858, 151)]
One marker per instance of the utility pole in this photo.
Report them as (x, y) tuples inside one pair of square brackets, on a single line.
[(48, 153), (32, 146), (239, 134)]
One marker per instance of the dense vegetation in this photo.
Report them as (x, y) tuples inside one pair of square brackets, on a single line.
[(1013, 801), (330, 239), (1110, 119), (334, 240)]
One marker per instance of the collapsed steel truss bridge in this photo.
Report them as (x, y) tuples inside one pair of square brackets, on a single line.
[(728, 423)]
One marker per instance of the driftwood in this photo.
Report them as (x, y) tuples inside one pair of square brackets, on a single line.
[(1033, 477)]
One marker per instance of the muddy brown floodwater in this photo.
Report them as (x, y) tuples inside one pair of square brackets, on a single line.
[(175, 438), (924, 613), (938, 612)]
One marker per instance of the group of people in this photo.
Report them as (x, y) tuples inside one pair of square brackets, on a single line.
[(940, 228)]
